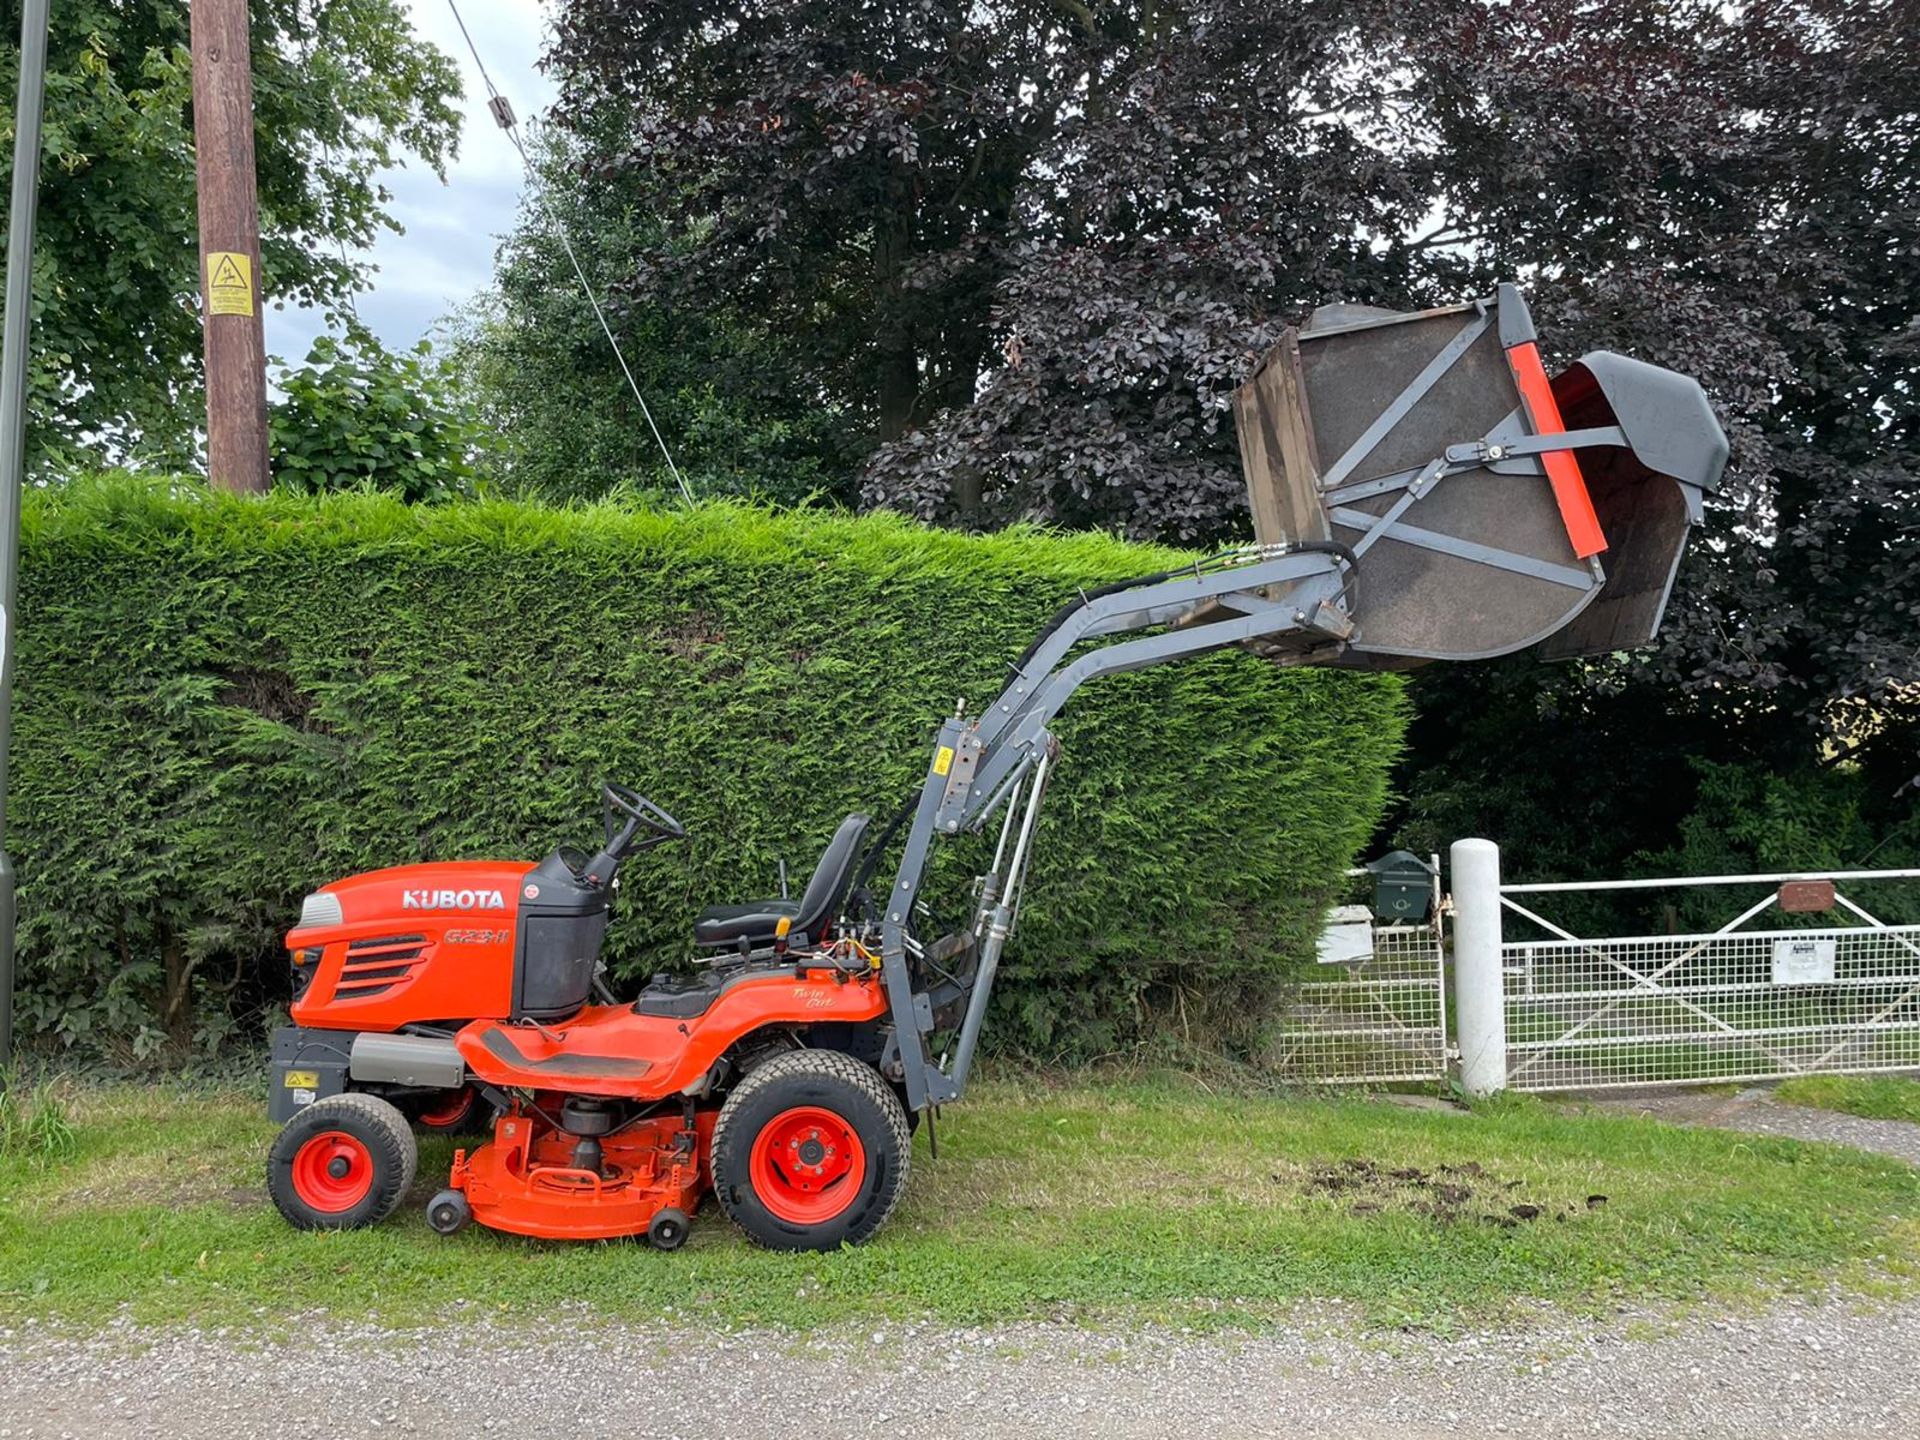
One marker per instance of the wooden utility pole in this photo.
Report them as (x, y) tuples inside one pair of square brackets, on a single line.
[(236, 345)]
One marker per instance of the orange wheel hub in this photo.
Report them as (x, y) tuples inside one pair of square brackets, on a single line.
[(332, 1172), (449, 1111), (807, 1165)]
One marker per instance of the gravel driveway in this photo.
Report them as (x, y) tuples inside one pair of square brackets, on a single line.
[(1755, 1110), (1802, 1369)]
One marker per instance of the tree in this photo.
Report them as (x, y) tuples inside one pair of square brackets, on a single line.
[(923, 194), (358, 415), (1743, 203), (553, 391), (342, 90)]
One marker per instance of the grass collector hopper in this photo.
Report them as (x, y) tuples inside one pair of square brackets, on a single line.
[(1487, 507)]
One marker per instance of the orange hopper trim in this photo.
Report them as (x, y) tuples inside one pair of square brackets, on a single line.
[(1563, 471)]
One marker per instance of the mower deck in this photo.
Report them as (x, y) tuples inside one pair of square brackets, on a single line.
[(526, 1180)]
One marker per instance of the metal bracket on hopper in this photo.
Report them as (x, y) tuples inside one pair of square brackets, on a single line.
[(1568, 575), (1402, 403)]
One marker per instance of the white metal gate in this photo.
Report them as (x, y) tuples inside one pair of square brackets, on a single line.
[(1378, 1017), (1803, 979)]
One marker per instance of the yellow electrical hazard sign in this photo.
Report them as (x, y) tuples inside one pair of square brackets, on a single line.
[(229, 283)]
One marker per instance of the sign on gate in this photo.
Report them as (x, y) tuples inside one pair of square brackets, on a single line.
[(1804, 962)]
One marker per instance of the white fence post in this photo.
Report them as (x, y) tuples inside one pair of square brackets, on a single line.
[(1479, 989)]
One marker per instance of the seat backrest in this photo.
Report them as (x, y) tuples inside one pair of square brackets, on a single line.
[(827, 889)]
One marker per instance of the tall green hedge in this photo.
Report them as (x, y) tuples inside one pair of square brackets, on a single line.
[(223, 703)]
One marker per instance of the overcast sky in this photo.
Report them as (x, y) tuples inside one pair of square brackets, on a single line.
[(446, 252)]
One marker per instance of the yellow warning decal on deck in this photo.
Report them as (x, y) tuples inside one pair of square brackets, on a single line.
[(943, 760), (229, 283), (301, 1079)]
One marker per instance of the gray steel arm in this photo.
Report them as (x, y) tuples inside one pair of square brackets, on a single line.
[(1137, 609), (1250, 595)]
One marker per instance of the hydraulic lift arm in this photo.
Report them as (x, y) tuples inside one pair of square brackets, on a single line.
[(1001, 758)]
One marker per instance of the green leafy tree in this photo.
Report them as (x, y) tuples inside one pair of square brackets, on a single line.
[(342, 90), (358, 415), (720, 386)]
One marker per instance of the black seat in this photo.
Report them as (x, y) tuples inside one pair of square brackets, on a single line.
[(755, 921)]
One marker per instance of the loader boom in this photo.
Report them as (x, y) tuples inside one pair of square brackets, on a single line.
[(1001, 759), (1429, 451)]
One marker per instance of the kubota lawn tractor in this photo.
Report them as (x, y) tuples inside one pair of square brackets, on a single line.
[(1420, 490)]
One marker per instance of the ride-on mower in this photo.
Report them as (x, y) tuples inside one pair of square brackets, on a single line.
[(1420, 490)]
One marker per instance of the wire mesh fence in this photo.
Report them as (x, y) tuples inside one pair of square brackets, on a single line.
[(1829, 993), (1377, 1018)]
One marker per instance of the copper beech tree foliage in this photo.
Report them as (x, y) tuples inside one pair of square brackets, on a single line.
[(1035, 243), (1031, 244), (1734, 192)]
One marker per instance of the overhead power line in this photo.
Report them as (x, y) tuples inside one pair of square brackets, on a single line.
[(502, 110)]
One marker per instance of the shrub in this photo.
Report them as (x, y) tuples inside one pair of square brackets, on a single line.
[(358, 414), (225, 702)]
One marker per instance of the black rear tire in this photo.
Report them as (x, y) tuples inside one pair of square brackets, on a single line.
[(811, 1152), (342, 1163)]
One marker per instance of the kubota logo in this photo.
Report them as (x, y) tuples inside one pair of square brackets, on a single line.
[(452, 900)]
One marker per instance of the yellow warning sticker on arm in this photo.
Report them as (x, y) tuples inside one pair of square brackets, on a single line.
[(301, 1079), (943, 760), (229, 283)]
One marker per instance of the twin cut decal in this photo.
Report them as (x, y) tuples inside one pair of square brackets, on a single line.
[(452, 900)]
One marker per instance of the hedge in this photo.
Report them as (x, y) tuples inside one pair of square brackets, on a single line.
[(224, 702)]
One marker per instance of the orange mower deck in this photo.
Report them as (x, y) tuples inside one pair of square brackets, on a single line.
[(525, 1180)]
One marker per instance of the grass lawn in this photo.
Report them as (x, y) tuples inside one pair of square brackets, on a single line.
[(1876, 1097), (1125, 1202)]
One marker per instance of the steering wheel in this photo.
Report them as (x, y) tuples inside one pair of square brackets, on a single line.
[(641, 814)]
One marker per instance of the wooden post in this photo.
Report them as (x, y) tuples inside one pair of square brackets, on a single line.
[(236, 347)]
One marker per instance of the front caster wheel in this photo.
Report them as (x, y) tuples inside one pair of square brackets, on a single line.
[(341, 1163), (810, 1152), (448, 1212), (668, 1229)]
